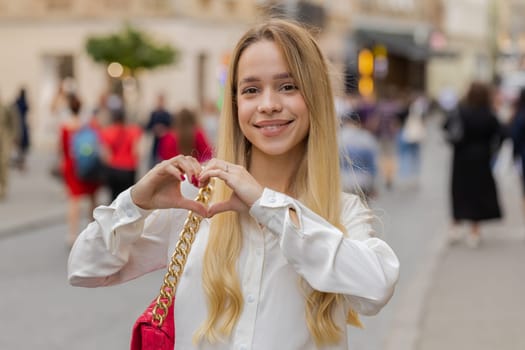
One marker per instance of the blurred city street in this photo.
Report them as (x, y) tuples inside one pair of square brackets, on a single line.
[(447, 297), (150, 79)]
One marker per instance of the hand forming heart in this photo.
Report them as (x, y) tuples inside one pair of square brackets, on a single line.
[(246, 190), (160, 187)]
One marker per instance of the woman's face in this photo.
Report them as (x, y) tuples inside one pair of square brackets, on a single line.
[(272, 112)]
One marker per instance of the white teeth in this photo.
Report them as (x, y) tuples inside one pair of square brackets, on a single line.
[(271, 127)]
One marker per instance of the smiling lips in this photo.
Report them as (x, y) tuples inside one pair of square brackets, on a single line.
[(272, 127)]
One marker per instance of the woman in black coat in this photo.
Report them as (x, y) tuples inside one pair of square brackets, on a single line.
[(474, 194)]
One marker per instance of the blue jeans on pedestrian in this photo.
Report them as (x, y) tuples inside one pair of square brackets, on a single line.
[(409, 159)]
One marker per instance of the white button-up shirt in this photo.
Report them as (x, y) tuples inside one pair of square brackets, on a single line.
[(125, 241)]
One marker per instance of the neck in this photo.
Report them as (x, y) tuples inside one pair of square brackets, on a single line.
[(275, 172)]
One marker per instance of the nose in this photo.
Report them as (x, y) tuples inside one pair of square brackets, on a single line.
[(269, 103)]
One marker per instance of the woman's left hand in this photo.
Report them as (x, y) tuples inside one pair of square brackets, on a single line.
[(246, 190)]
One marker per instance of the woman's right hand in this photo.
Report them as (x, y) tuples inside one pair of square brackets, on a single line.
[(160, 187)]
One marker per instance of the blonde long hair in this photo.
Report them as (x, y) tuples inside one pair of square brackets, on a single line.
[(220, 278)]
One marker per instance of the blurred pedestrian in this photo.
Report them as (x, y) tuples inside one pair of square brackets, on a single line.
[(9, 129), (358, 152), (474, 192), (411, 134), (210, 121), (121, 152), (386, 127), (59, 114), (76, 188), (286, 260), (366, 109), (517, 132), (102, 113), (59, 104), (186, 137), (23, 142), (158, 124)]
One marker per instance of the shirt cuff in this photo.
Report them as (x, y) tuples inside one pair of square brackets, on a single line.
[(126, 211), (271, 210)]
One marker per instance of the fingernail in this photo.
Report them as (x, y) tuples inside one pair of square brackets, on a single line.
[(183, 178)]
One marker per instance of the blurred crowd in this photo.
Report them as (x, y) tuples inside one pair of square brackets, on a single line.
[(380, 144), (381, 140), (98, 147)]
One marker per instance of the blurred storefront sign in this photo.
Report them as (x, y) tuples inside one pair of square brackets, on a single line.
[(401, 44), (399, 56)]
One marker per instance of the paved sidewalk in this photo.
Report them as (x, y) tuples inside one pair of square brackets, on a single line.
[(476, 297), (476, 300), (34, 198)]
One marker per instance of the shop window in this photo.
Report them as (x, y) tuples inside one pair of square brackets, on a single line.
[(65, 66)]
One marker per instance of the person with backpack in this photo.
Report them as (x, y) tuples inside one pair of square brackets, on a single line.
[(70, 147)]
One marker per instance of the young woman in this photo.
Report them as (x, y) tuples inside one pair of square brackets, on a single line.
[(282, 259), (473, 188), (76, 187)]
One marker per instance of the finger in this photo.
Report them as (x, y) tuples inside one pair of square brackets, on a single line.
[(175, 171), (196, 170), (191, 167), (184, 165), (209, 173), (194, 206), (218, 164), (221, 207)]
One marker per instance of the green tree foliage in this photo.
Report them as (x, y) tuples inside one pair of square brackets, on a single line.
[(132, 49)]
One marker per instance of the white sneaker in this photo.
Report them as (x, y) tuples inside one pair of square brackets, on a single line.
[(473, 240)]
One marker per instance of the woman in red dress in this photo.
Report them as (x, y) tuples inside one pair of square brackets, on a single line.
[(76, 188)]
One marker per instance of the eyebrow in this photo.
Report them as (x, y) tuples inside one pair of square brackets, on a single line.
[(279, 76)]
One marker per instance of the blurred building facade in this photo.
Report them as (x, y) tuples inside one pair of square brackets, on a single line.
[(426, 45), (397, 34), (509, 37), (462, 46), (44, 42)]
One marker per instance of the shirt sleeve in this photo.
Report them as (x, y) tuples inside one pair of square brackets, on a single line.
[(356, 264), (122, 243)]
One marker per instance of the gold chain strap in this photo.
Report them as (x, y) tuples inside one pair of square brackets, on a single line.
[(178, 260)]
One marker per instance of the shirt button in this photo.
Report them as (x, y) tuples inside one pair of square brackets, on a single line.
[(250, 298), (129, 212), (272, 199)]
